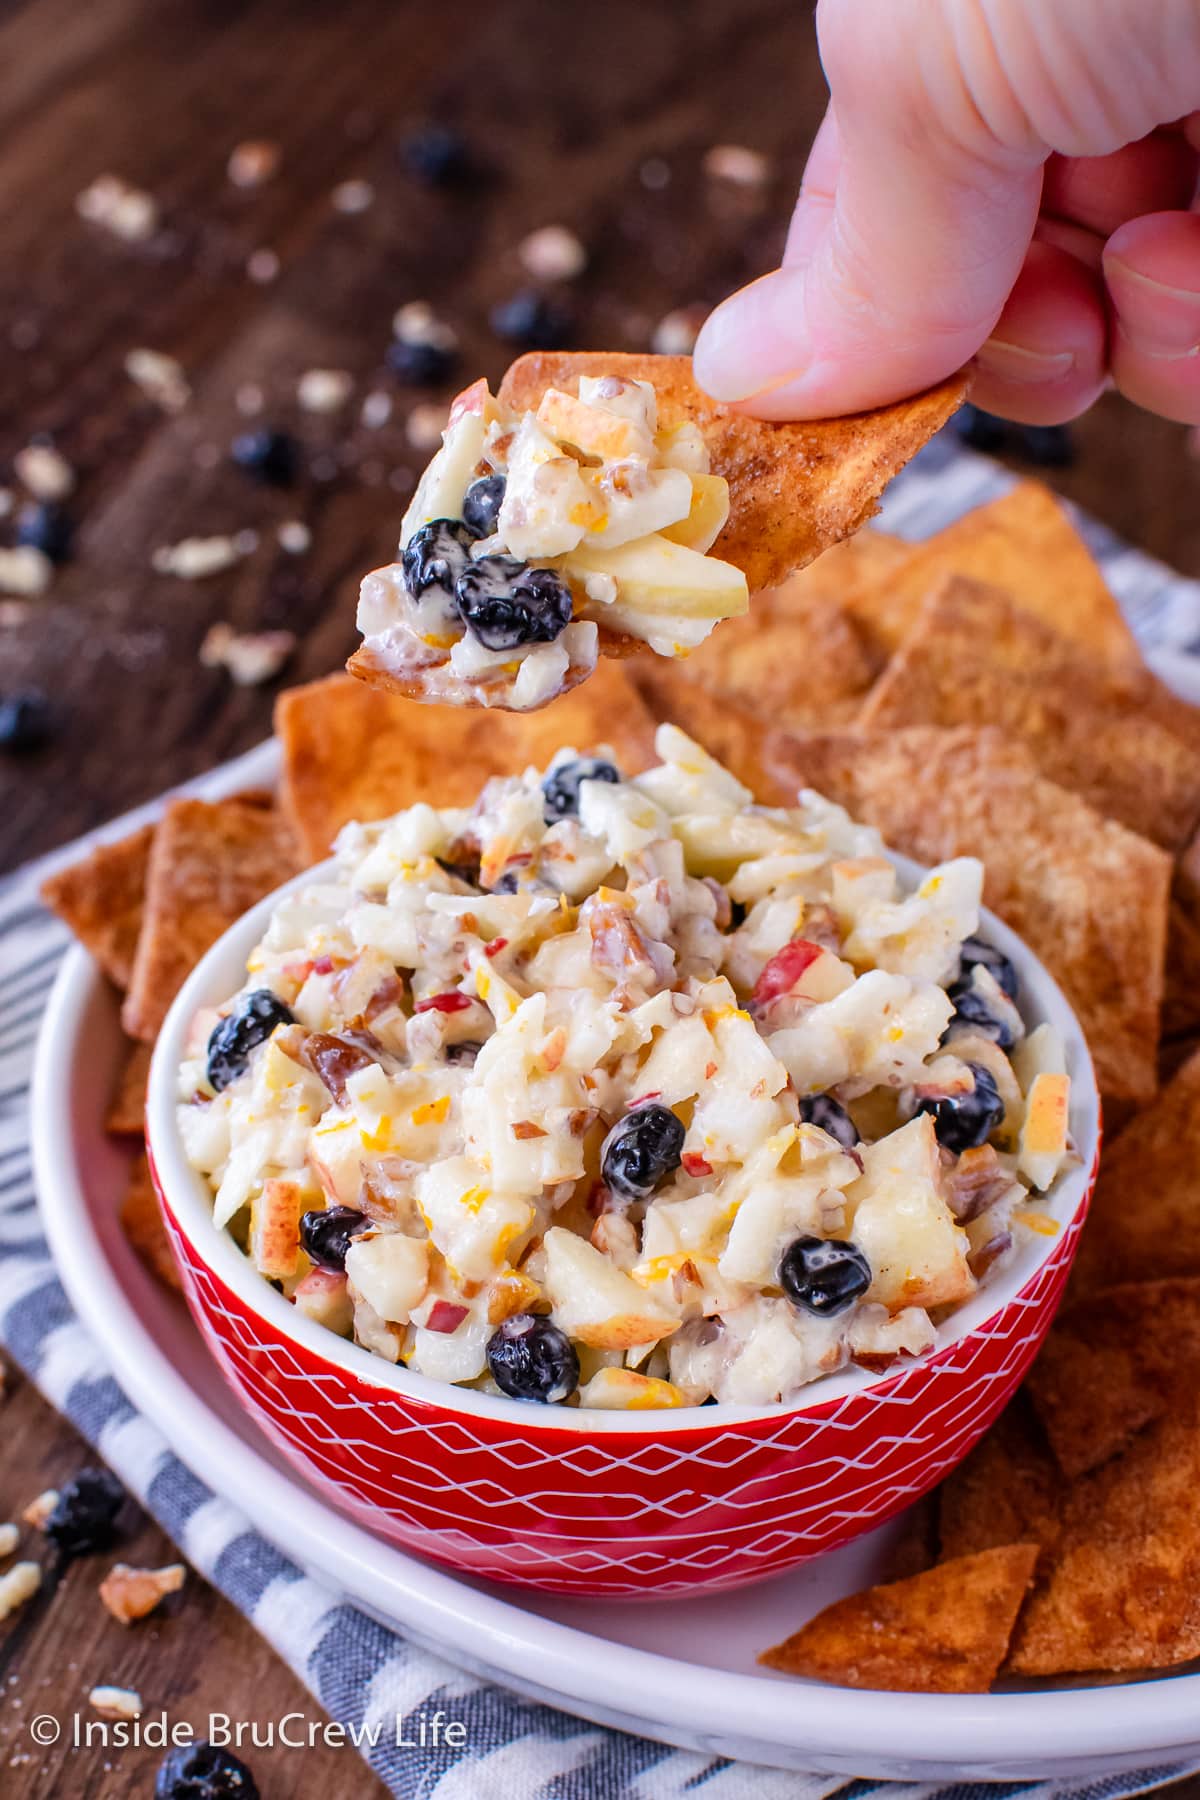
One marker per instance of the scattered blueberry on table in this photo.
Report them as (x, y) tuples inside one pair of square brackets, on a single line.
[(26, 720), (418, 363), (268, 454), (532, 322), (203, 1771), (436, 155), (84, 1516), (46, 526)]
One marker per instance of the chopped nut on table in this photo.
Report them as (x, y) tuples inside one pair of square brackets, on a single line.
[(353, 197), (195, 557), (9, 1536), (39, 1510), (251, 657), (294, 536), (738, 164), (252, 163), (552, 253), (127, 211), (25, 571), (676, 332), (18, 1585), (324, 390), (160, 377), (45, 471), (116, 1703), (130, 1594)]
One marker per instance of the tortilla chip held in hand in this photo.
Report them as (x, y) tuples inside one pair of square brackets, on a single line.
[(601, 502)]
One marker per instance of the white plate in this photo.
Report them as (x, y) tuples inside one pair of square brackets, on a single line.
[(681, 1671)]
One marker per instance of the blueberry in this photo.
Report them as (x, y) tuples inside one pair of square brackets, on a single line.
[(977, 954), (507, 884), (961, 1121), (419, 364), (47, 527), (1049, 446), (26, 721), (466, 1052), (505, 604), (269, 455), (823, 1275), (85, 1513), (532, 321), (531, 1359), (253, 1020), (827, 1115), (325, 1234), (436, 155), (481, 504), (435, 556), (203, 1771), (972, 1009), (641, 1150), (561, 785), (981, 430)]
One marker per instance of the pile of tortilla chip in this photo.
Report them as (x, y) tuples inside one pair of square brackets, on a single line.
[(981, 694)]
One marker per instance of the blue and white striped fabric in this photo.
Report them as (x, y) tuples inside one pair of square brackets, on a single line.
[(358, 1670)]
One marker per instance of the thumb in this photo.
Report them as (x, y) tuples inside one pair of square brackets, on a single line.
[(909, 234)]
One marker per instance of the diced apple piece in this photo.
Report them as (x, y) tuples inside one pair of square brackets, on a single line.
[(1044, 1132), (441, 488), (660, 579), (626, 1391), (626, 396), (275, 1228), (706, 517), (656, 500), (390, 1272), (595, 1302), (903, 1226), (683, 447), (324, 1297), (591, 428)]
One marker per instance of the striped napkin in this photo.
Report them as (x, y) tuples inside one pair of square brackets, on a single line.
[(362, 1673)]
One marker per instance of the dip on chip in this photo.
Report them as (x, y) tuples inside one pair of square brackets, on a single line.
[(601, 503), (626, 1088)]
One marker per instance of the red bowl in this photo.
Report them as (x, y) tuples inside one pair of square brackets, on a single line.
[(592, 1502)]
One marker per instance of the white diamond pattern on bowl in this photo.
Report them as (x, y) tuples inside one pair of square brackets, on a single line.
[(617, 1514)]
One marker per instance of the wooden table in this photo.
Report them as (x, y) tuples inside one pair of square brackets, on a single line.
[(596, 118)]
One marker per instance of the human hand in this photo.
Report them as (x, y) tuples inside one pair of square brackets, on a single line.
[(1008, 180)]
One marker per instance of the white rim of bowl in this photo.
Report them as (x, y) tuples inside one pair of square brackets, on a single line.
[(221, 972)]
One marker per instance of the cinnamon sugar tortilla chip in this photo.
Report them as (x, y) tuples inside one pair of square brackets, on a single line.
[(127, 1110), (353, 752), (944, 1631), (1112, 1363), (973, 655), (142, 1224), (1120, 1587), (1088, 896), (1023, 542), (210, 862), (100, 899), (1181, 989), (794, 489), (1008, 1487), (1144, 1222)]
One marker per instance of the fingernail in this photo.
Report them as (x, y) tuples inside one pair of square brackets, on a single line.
[(1154, 319), (749, 345), (1025, 368)]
